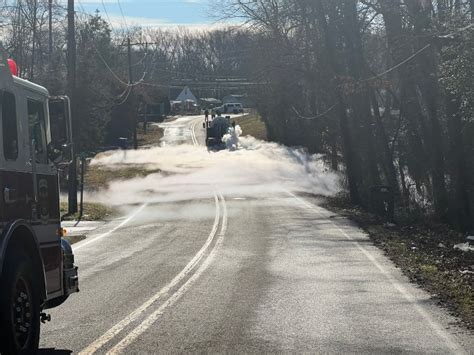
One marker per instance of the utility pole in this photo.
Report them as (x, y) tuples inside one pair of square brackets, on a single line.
[(33, 49), (19, 29), (71, 84), (130, 81), (71, 48), (145, 116), (50, 30), (471, 4), (145, 119)]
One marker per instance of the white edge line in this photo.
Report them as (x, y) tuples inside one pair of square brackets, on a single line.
[(129, 218), (115, 330), (152, 318), (452, 344)]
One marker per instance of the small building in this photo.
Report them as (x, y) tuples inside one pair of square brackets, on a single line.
[(186, 95), (186, 102)]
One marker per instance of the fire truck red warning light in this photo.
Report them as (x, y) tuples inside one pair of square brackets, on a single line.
[(13, 67)]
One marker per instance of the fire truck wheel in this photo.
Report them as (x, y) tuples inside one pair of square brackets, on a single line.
[(19, 307)]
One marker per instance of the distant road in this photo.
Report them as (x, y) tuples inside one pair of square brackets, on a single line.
[(275, 273)]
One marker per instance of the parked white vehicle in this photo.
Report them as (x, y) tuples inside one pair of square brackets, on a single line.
[(233, 108)]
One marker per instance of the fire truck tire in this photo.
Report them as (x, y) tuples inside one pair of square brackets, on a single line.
[(19, 306)]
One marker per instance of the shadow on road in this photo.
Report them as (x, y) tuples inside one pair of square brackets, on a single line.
[(54, 352)]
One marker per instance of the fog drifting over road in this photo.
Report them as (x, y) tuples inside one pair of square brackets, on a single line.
[(191, 172)]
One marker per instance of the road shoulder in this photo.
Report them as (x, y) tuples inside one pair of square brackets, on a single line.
[(426, 253)]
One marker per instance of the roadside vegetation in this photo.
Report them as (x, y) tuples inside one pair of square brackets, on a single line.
[(99, 177), (152, 136), (92, 212)]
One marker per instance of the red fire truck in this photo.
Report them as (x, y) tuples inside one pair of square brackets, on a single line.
[(37, 269)]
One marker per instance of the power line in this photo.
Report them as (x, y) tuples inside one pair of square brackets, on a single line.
[(107, 15), (414, 55), (398, 65), (314, 117), (141, 60), (210, 87), (83, 11), (124, 20), (108, 66), (129, 91), (105, 62), (141, 80), (209, 76)]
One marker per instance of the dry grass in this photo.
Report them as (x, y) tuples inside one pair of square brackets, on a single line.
[(99, 177), (152, 137), (252, 125), (92, 212)]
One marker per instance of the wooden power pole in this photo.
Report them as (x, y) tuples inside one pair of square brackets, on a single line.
[(71, 48), (33, 44), (130, 80), (50, 30), (71, 85)]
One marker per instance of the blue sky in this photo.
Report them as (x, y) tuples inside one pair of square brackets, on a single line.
[(152, 12)]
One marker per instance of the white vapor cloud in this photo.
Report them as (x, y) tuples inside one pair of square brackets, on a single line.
[(190, 173)]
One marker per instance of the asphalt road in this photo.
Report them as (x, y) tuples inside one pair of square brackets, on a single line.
[(275, 273)]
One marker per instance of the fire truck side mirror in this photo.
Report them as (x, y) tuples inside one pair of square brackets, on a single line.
[(60, 147)]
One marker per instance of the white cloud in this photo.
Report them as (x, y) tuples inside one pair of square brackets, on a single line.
[(118, 21), (98, 2), (134, 21)]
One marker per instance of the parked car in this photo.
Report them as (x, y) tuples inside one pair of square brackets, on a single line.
[(233, 108)]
